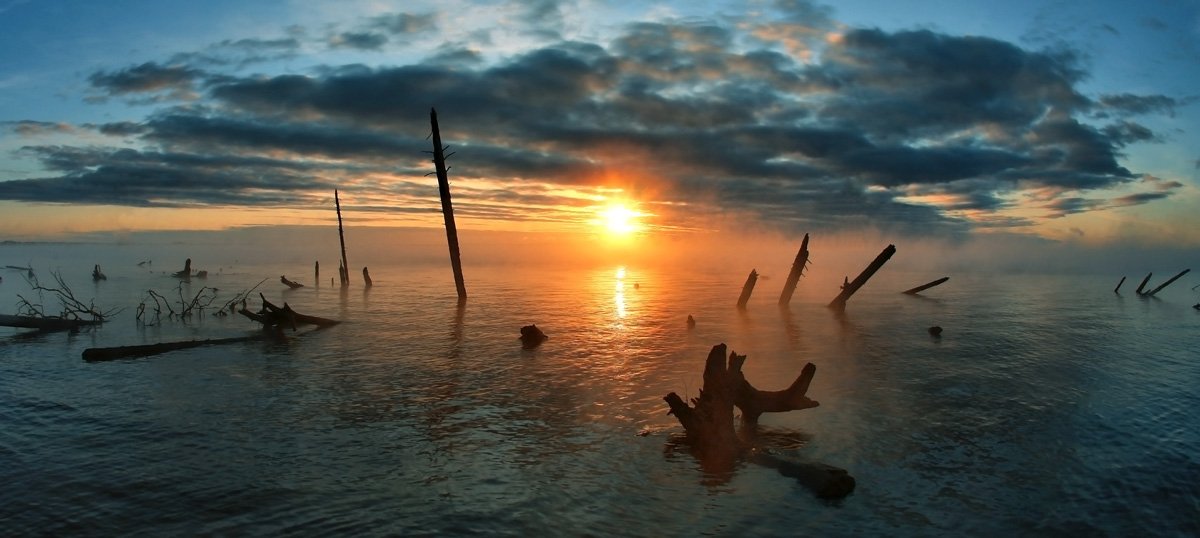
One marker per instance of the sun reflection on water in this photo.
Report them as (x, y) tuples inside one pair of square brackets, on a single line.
[(619, 299)]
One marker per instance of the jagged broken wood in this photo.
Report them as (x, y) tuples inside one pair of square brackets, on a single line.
[(798, 266), (279, 317), (440, 168), (344, 275), (709, 421), (289, 283), (924, 287), (747, 288), (849, 288)]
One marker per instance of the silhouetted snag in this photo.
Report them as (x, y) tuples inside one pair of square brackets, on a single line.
[(97, 354), (276, 317), (849, 288), (532, 336), (97, 275), (317, 274), (345, 275), (186, 273), (367, 277), (289, 283), (691, 322), (747, 288), (710, 426), (439, 163), (924, 287), (1168, 283), (1143, 284), (935, 331), (798, 266), (45, 324), (1118, 288)]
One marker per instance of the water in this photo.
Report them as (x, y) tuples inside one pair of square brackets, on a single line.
[(1049, 407)]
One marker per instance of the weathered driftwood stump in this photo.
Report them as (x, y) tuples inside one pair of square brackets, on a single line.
[(532, 336), (710, 425), (275, 317)]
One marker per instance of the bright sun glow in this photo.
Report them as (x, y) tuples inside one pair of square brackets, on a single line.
[(619, 220)]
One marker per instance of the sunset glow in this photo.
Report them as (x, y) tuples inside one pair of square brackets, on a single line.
[(619, 220)]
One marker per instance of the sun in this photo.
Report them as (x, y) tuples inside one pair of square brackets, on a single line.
[(620, 220)]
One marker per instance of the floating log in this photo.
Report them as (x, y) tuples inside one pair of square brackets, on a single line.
[(96, 354), (44, 323), (278, 317), (290, 283), (849, 288), (97, 275), (345, 275), (747, 288), (1168, 283), (798, 265), (709, 423), (1143, 284), (367, 277), (924, 287), (1118, 288), (439, 162)]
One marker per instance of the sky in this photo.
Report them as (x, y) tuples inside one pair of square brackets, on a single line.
[(1072, 123)]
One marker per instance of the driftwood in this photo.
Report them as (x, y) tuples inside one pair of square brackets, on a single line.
[(924, 287), (849, 288), (1143, 284), (367, 278), (289, 283), (710, 428), (798, 266), (186, 273), (1118, 288), (96, 354), (1168, 283), (747, 288), (278, 317), (46, 324), (97, 275), (440, 168)]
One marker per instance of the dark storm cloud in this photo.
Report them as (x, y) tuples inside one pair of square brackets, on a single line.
[(847, 135), (147, 77), (358, 40)]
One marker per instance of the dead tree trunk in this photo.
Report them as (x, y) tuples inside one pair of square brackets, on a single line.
[(345, 275), (367, 277), (96, 354), (1143, 284), (924, 287), (849, 288), (1118, 288), (747, 289), (1168, 283), (798, 265), (44, 323), (439, 163), (710, 425), (317, 273)]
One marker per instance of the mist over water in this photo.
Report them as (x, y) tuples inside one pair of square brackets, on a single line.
[(1049, 406)]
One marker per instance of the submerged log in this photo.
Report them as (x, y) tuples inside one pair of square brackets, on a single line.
[(44, 323), (849, 288), (798, 266), (1168, 283), (709, 422), (747, 289), (278, 317), (924, 287), (290, 283), (1143, 284), (96, 354), (1118, 288)]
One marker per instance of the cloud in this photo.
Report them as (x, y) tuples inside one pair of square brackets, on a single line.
[(826, 127), (29, 128)]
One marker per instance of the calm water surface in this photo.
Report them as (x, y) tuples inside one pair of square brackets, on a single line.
[(1049, 407)]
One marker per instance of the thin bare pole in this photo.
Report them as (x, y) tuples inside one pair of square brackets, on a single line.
[(344, 274), (439, 162), (850, 287)]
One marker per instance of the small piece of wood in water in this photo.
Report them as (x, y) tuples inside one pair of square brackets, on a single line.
[(935, 331), (532, 336)]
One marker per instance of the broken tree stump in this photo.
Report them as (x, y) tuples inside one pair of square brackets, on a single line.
[(798, 265), (747, 289), (439, 163), (710, 430), (345, 275), (186, 273), (849, 288), (924, 287), (532, 336), (367, 277), (278, 317)]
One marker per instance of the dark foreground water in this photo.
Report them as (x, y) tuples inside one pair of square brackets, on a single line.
[(1049, 407)]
